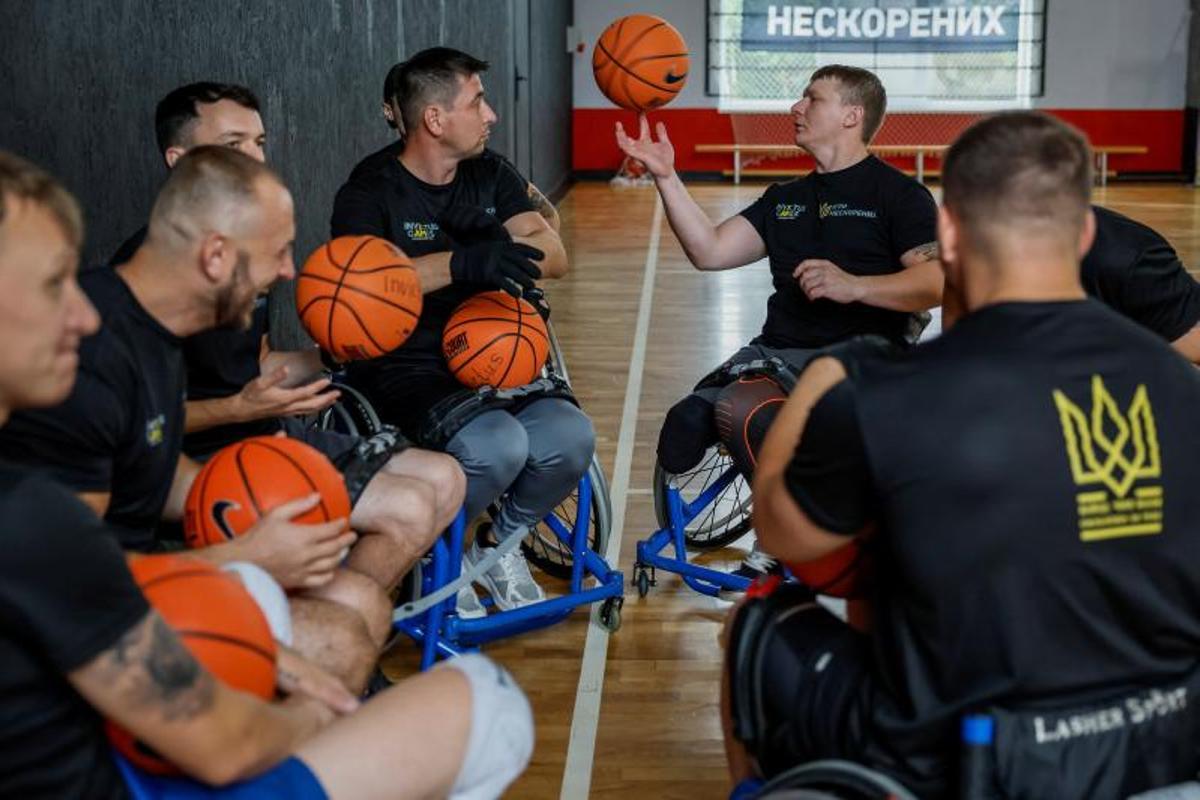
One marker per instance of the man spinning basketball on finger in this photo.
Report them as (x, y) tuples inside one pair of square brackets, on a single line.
[(851, 246)]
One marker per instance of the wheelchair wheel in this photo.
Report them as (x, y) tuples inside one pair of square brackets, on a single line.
[(725, 520), (352, 414), (553, 556), (833, 778)]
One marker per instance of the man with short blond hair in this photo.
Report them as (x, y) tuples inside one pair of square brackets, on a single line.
[(850, 245)]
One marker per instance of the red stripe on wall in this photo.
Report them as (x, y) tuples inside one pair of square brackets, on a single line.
[(594, 145)]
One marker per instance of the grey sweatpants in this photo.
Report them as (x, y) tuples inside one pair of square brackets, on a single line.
[(536, 455)]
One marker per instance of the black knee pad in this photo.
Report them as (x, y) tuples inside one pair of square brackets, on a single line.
[(686, 433), (744, 411)]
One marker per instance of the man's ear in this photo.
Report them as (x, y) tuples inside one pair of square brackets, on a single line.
[(217, 258), (1087, 236), (389, 115), (947, 234), (432, 116), (173, 154), (852, 116)]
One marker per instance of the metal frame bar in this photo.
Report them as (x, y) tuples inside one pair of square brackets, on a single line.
[(451, 635), (705, 580)]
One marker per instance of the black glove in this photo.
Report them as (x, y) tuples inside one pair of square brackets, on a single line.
[(468, 225), (505, 265), (537, 298)]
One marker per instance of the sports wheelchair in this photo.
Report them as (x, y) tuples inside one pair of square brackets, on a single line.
[(567, 545), (705, 508)]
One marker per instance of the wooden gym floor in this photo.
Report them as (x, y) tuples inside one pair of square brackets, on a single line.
[(643, 722)]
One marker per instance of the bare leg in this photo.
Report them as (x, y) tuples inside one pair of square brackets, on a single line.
[(396, 517), (407, 742), (464, 730), (439, 470), (361, 594), (334, 637)]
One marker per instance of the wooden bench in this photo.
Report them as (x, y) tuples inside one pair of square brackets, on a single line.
[(918, 151)]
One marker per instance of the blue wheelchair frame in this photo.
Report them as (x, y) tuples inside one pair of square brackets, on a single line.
[(440, 631), (705, 580)]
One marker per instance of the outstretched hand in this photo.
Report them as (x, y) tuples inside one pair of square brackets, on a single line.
[(659, 157)]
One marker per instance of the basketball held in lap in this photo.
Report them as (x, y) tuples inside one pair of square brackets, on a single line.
[(219, 623), (248, 479), (494, 339)]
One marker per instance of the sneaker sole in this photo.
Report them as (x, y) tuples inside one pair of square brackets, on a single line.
[(485, 580)]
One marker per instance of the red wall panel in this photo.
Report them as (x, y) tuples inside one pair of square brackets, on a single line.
[(594, 145)]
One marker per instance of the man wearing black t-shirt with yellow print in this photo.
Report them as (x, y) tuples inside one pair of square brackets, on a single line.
[(851, 245), (466, 219), (1034, 517)]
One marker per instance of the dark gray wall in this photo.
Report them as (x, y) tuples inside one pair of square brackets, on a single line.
[(79, 81), (550, 90)]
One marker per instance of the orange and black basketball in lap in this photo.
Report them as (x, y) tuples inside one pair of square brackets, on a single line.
[(640, 62), (218, 622), (245, 480), (359, 297), (495, 339)]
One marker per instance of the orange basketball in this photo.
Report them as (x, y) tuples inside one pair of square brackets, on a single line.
[(640, 62), (245, 480), (846, 572), (219, 623), (495, 339), (359, 297)]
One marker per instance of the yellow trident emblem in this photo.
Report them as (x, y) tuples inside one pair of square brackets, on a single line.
[(1135, 431), (823, 210), (1113, 450)]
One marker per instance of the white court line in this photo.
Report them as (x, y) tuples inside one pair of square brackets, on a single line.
[(577, 774)]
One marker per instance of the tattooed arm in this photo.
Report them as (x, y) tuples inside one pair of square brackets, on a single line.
[(151, 685), (543, 206)]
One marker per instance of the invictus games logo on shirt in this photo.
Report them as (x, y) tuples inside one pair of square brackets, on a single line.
[(154, 430), (421, 231), (789, 210), (844, 210), (1109, 452)]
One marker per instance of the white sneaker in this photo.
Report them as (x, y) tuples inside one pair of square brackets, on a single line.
[(508, 582), (467, 604)]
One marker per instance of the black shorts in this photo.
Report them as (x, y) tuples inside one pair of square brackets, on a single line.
[(799, 680), (333, 444)]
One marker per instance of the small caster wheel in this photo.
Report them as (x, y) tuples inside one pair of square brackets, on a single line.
[(610, 614), (641, 579)]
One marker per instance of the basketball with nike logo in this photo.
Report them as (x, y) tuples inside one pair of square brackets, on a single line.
[(247, 479), (640, 62)]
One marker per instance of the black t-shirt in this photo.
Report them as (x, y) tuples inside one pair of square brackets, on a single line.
[(1136, 271), (1033, 473), (219, 363), (66, 596), (862, 218), (121, 429), (384, 199)]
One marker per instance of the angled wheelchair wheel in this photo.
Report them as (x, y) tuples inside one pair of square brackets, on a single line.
[(352, 414), (833, 778), (552, 555), (725, 520)]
